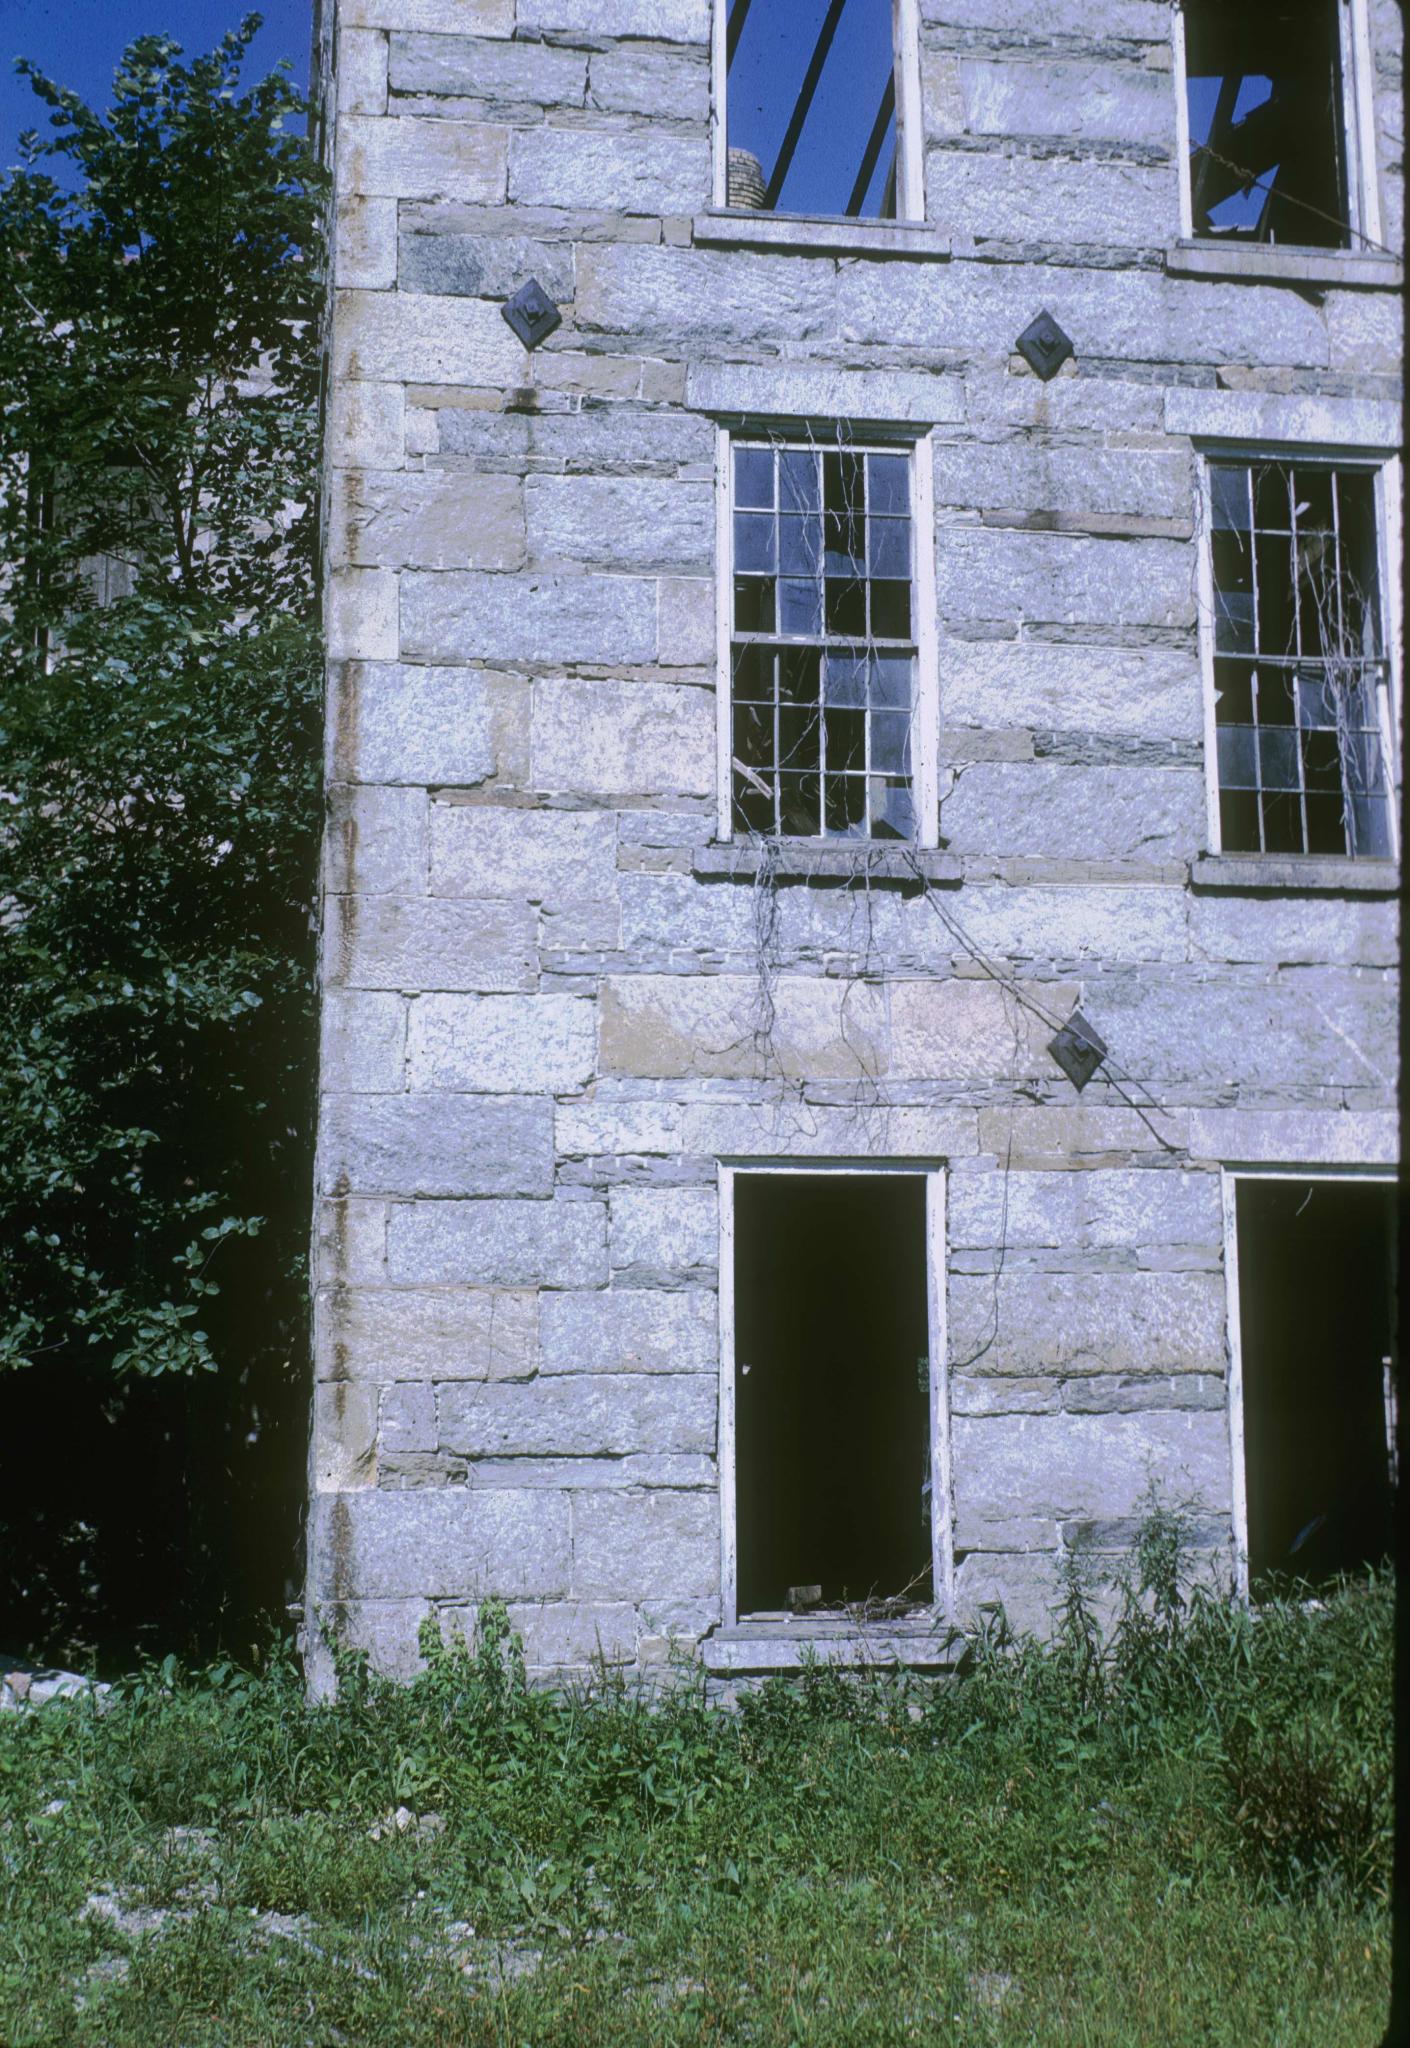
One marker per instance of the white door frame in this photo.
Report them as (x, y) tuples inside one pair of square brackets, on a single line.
[(1230, 1176), (942, 1543)]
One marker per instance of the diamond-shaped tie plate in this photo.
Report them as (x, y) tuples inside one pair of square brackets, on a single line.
[(1044, 346), (1078, 1050), (532, 313)]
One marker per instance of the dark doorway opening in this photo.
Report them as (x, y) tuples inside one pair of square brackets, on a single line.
[(1317, 1333), (832, 1409)]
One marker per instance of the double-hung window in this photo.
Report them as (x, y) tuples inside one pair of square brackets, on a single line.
[(1301, 674), (823, 639)]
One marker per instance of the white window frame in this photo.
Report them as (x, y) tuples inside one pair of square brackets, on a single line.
[(864, 438), (1230, 1176), (1358, 136), (942, 1534), (910, 124), (1386, 471)]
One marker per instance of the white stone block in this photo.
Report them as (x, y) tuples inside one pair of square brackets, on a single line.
[(582, 1415), (419, 338), (661, 21), (454, 1542), (399, 1333), (620, 522), (366, 426), (547, 856), (1135, 692), (363, 1048), (344, 1437), (669, 1233), (686, 624), (436, 17), (821, 391), (615, 170), (499, 1045), (498, 1244), (419, 944), (1091, 100), (403, 157), (960, 1027), (365, 243), (427, 519), (701, 296), (646, 1545), (623, 1329), (462, 616), (441, 1145), (1054, 810), (362, 70), (459, 67), (639, 739), (1071, 1467), (361, 615), (376, 841), (405, 724)]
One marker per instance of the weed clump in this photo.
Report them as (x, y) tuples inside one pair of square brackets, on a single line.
[(1168, 1820)]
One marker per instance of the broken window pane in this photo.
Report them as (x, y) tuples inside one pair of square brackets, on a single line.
[(1301, 682), (832, 759), (811, 99), (1264, 93)]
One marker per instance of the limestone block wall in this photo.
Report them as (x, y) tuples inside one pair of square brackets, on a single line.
[(549, 1012)]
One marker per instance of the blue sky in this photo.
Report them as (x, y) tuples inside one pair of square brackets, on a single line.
[(78, 44)]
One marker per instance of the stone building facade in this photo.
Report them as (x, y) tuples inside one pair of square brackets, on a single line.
[(620, 972)]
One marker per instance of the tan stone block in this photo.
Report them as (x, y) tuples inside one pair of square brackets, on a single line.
[(365, 243), (366, 426), (344, 1437), (668, 1026), (362, 621), (427, 519), (401, 157), (461, 1333)]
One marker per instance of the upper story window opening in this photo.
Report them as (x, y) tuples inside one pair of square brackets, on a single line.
[(823, 640), (1267, 109), (810, 89), (1301, 676)]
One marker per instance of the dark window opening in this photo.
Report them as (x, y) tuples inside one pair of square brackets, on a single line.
[(822, 650), (1301, 682), (1267, 145), (1317, 1332), (832, 1409), (812, 106)]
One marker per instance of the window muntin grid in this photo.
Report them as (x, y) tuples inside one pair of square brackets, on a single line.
[(822, 649), (1301, 681)]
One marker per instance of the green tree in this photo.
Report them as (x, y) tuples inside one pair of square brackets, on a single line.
[(159, 694)]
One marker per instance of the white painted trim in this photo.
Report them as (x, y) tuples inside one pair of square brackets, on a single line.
[(1230, 1174), (933, 1173), (1238, 1469), (1204, 610), (942, 1498), (724, 627), (1182, 122), (910, 111), (1392, 567), (725, 1442), (925, 716)]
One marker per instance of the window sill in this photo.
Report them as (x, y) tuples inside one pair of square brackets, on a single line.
[(813, 860), (837, 235), (787, 1643), (1274, 264), (1294, 874)]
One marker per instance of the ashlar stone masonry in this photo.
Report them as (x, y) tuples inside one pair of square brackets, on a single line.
[(548, 1012)]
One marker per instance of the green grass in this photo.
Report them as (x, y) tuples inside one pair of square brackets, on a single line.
[(1176, 1834)]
